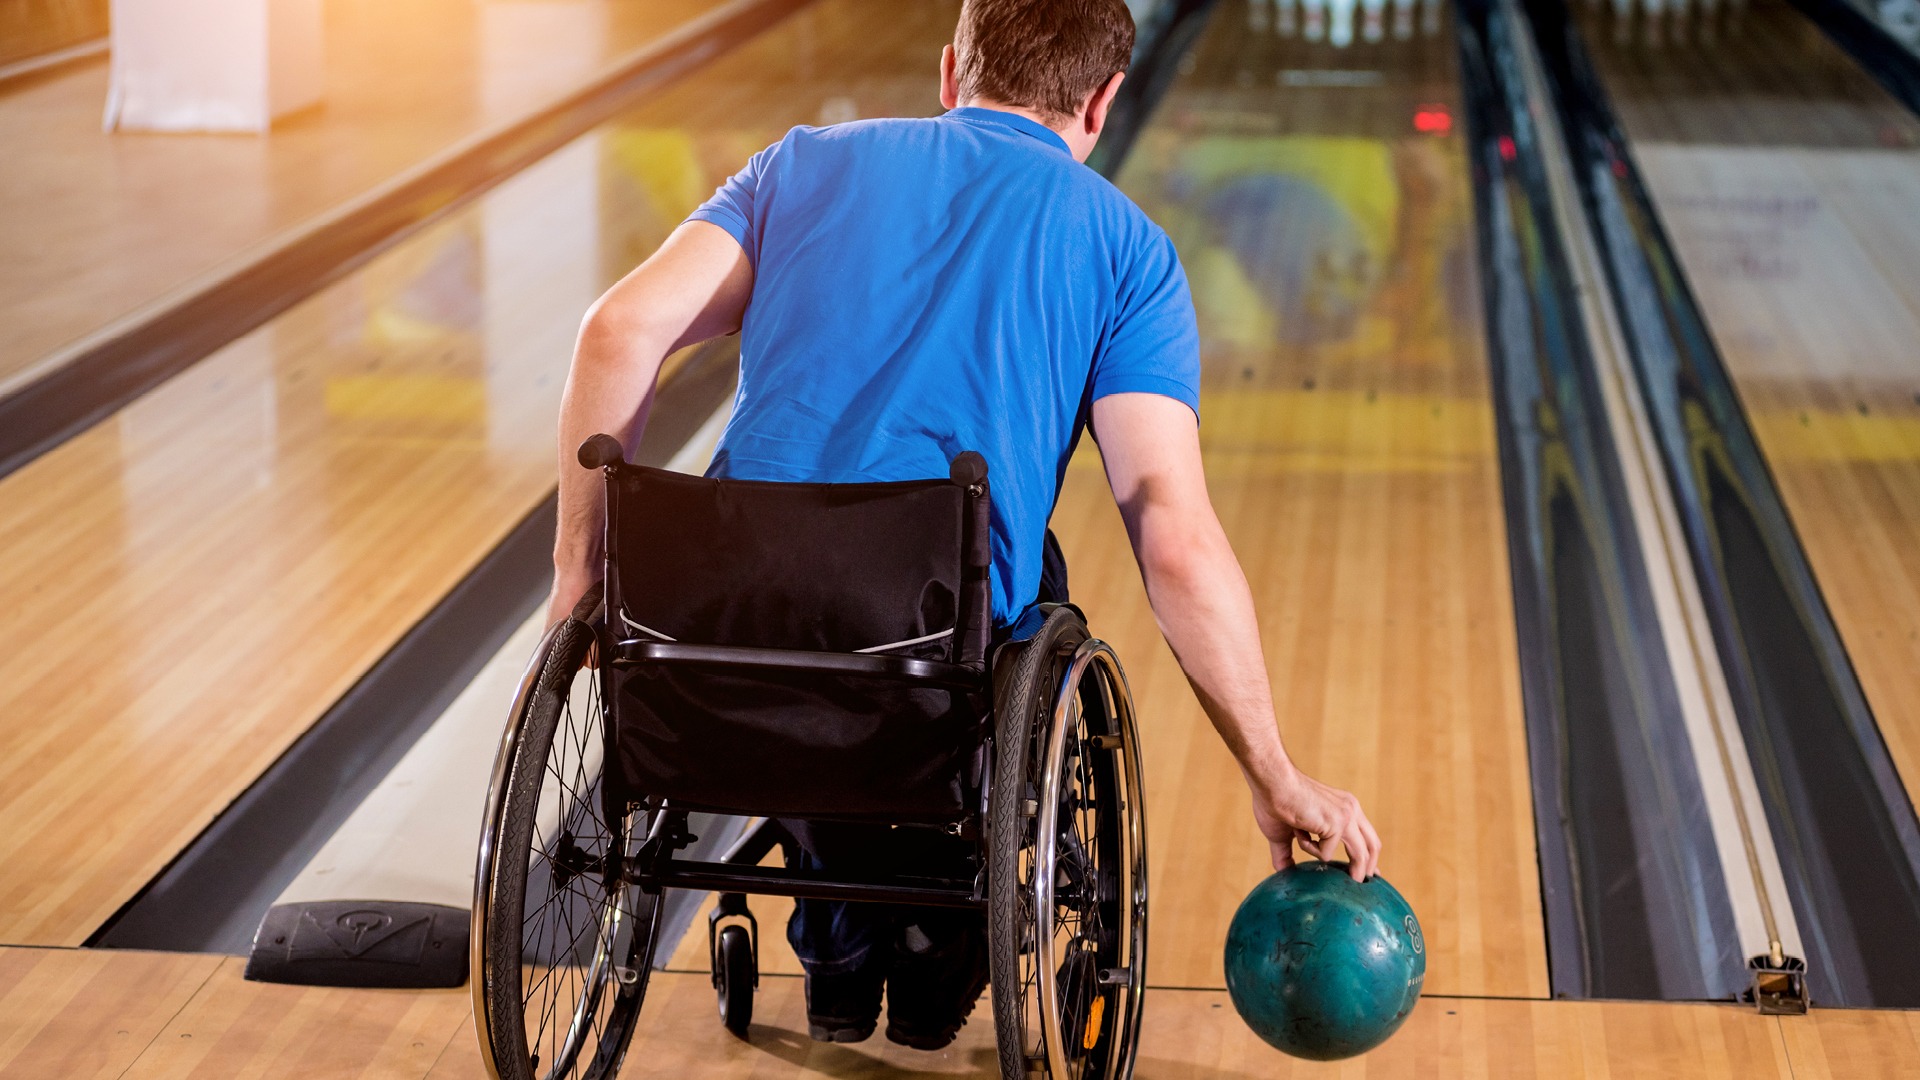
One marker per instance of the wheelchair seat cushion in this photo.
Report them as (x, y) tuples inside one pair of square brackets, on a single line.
[(820, 567)]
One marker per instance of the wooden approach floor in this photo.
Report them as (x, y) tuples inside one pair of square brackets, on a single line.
[(87, 1015), (187, 586), (93, 226)]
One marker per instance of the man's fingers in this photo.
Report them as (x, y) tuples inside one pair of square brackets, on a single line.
[(1373, 843), (1359, 853), (1282, 855)]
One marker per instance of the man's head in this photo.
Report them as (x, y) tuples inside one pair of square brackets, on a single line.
[(1060, 61)]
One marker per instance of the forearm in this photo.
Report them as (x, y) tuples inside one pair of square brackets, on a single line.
[(694, 288), (609, 390), (1205, 610)]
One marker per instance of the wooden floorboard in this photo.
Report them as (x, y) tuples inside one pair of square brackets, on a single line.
[(237, 1030), (73, 1013)]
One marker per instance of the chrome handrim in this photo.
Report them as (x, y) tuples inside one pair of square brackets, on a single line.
[(1074, 952)]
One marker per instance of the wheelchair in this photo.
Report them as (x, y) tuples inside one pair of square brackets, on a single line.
[(816, 652)]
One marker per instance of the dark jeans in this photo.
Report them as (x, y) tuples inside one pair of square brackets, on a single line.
[(833, 937)]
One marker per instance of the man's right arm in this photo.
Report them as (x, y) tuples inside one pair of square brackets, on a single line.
[(694, 288), (1151, 446)]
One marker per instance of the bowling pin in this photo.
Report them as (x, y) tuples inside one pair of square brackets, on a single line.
[(1340, 22)]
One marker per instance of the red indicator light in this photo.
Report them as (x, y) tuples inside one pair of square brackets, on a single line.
[(1507, 151), (1432, 120)]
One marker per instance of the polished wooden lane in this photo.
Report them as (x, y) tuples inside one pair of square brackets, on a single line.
[(70, 1013), (187, 586), (93, 226), (1800, 241), (31, 31), (1350, 450)]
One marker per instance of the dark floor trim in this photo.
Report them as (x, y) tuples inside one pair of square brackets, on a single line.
[(216, 891), (102, 373)]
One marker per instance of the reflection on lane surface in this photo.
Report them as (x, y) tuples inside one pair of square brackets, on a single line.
[(259, 530), (1786, 180), (1318, 195)]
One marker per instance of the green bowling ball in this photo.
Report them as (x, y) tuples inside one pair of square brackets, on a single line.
[(1322, 967)]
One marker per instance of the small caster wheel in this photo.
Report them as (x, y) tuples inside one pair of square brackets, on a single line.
[(734, 976)]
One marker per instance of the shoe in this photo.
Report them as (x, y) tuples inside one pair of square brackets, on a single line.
[(844, 1008), (933, 986)]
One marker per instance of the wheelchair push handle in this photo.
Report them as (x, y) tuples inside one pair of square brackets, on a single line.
[(968, 468), (600, 451)]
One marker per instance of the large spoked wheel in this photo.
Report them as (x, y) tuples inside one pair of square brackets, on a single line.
[(562, 945), (1068, 881)]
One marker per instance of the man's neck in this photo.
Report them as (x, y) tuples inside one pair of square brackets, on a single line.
[(1045, 120), (1063, 127)]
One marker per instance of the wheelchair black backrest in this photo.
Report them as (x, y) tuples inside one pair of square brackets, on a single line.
[(799, 649)]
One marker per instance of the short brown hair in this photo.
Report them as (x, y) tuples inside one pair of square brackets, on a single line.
[(1045, 55)]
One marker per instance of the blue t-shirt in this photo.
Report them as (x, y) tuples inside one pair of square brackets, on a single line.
[(928, 286)]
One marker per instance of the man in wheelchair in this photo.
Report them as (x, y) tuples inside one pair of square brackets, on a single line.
[(906, 290)]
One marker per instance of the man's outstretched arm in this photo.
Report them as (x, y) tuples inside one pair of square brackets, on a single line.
[(694, 288), (1151, 445)]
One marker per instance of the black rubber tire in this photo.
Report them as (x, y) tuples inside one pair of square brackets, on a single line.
[(1023, 698), (733, 963), (500, 961)]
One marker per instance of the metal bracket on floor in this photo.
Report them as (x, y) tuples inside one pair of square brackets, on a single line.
[(1779, 984)]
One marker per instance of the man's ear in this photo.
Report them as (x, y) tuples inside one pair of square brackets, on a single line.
[(1100, 101), (949, 83)]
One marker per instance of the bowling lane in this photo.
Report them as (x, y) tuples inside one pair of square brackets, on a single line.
[(1320, 198), (1786, 179), (185, 587), (94, 226)]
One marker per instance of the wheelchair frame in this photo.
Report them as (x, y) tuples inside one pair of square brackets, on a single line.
[(1042, 742)]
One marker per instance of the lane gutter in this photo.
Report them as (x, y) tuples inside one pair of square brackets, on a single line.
[(1844, 850)]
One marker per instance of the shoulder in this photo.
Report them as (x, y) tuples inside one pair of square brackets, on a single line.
[(1136, 243), (856, 134)]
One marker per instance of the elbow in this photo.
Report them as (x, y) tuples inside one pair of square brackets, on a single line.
[(616, 325), (1172, 555)]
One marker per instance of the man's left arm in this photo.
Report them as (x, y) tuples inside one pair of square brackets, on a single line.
[(694, 288)]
